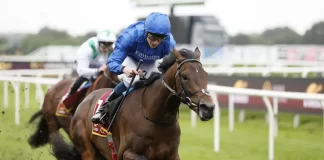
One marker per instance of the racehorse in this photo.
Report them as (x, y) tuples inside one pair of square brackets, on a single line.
[(54, 115), (147, 125)]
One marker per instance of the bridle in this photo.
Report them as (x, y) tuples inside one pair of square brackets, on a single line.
[(184, 95)]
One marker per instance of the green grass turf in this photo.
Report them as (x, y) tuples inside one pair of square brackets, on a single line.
[(248, 141)]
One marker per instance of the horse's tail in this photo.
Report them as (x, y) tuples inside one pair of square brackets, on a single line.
[(34, 116), (62, 150), (41, 135)]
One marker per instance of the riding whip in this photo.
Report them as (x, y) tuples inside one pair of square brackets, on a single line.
[(128, 88)]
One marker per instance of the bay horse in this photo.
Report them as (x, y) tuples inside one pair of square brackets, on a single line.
[(147, 124), (50, 120)]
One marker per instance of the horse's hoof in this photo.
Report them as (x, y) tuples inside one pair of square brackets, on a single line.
[(140, 158)]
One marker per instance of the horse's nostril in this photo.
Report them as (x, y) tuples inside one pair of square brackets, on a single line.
[(204, 106), (207, 106)]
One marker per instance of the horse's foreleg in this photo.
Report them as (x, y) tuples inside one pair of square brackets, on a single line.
[(130, 155), (101, 144)]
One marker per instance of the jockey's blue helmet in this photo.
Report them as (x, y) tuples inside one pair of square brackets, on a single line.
[(158, 23)]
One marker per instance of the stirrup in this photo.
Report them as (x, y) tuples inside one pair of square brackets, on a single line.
[(100, 113), (97, 118), (103, 118), (100, 119)]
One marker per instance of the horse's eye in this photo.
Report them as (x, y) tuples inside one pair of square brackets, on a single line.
[(185, 78)]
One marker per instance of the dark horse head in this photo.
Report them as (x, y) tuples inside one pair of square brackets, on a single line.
[(191, 81)]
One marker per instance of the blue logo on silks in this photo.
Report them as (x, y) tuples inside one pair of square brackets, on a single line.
[(213, 53)]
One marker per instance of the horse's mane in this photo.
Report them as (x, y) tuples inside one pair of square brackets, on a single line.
[(167, 62)]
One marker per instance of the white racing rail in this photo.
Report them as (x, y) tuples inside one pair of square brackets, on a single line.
[(36, 72), (254, 92), (265, 71), (15, 81)]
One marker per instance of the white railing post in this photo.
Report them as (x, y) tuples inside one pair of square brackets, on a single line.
[(231, 112), (322, 104), (193, 119), (26, 92), (17, 102), (275, 112), (241, 116), (271, 127), (40, 97), (296, 121), (5, 94), (216, 122)]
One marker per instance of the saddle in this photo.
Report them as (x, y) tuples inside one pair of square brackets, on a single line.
[(113, 105), (81, 91), (111, 109), (67, 105)]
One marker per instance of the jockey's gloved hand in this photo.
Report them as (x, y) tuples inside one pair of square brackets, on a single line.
[(102, 68), (130, 72)]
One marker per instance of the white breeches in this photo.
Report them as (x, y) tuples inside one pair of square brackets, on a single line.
[(147, 69)]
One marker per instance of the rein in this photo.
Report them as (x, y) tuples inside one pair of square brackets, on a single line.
[(184, 95), (107, 76), (159, 123)]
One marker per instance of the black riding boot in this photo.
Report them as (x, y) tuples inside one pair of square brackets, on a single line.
[(75, 86), (100, 112)]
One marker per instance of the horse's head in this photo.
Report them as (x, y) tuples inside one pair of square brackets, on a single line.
[(191, 83)]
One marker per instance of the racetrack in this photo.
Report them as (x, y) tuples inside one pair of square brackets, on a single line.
[(249, 141)]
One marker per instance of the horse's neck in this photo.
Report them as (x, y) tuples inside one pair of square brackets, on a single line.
[(160, 105), (103, 82)]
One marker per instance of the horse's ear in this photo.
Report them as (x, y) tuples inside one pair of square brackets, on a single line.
[(177, 54), (197, 52)]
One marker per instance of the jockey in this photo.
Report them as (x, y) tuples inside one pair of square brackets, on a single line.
[(148, 40), (91, 58)]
